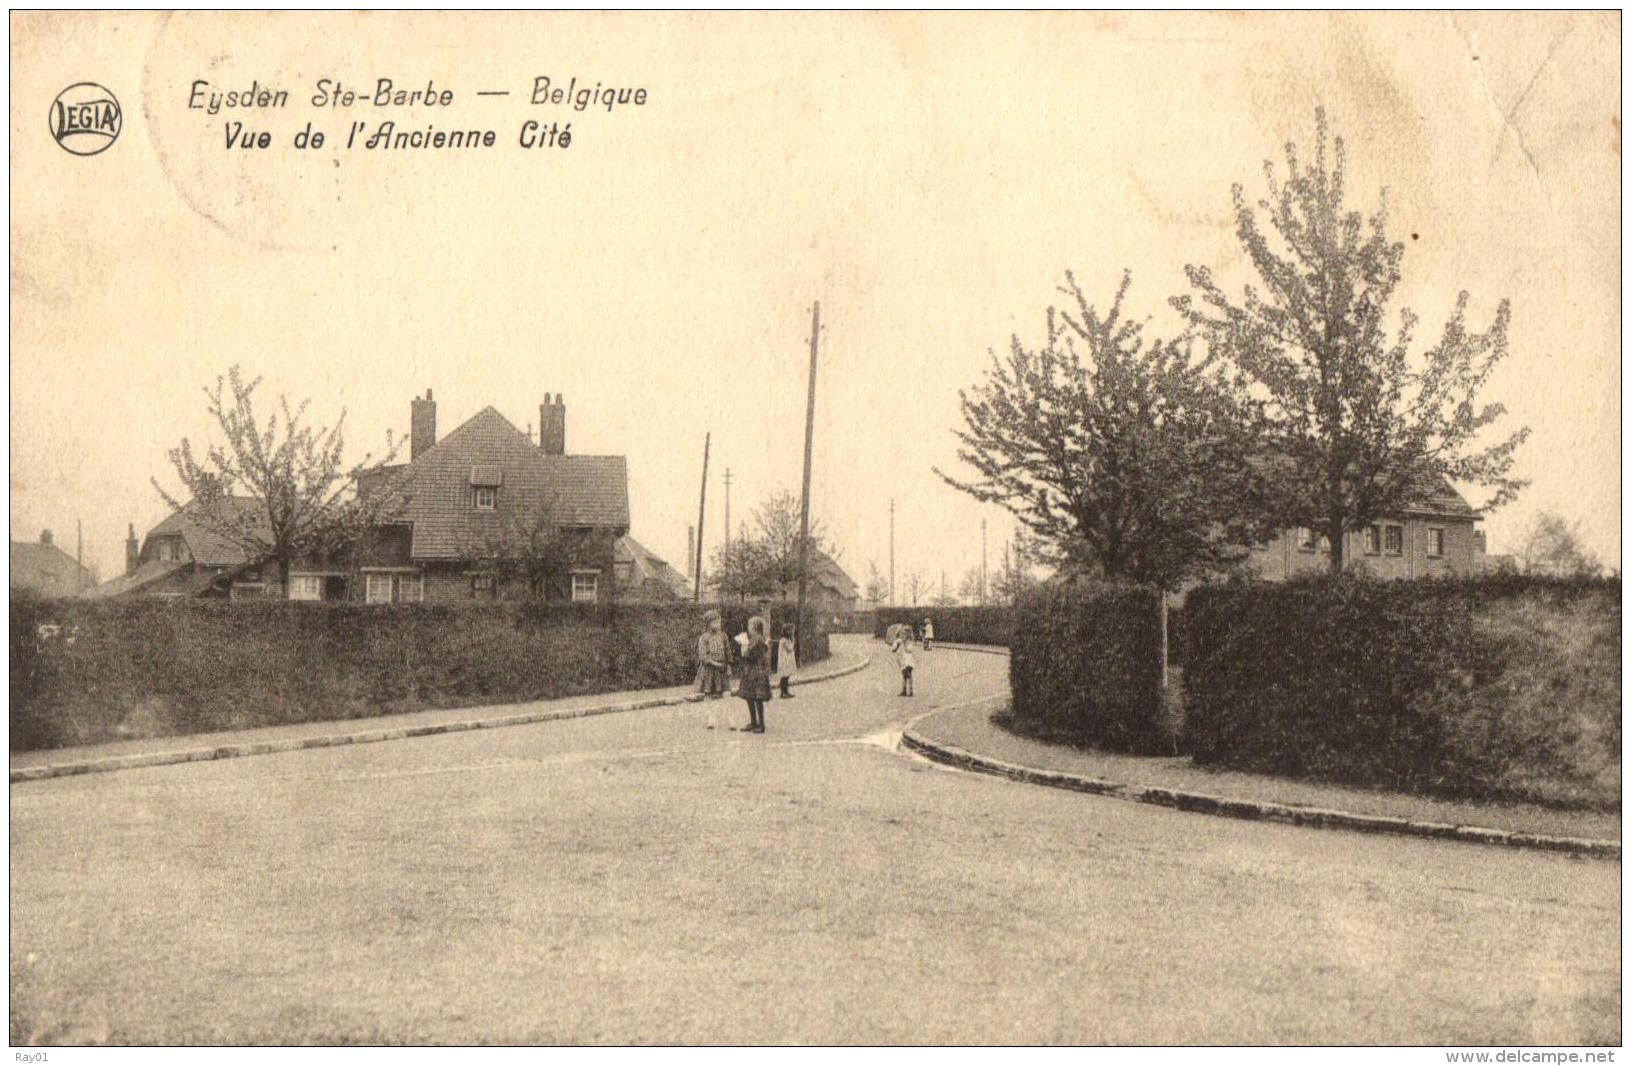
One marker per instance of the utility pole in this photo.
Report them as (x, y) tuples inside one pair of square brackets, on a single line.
[(702, 510), (891, 552), (727, 510), (804, 510)]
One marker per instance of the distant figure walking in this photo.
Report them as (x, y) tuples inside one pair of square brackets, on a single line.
[(755, 684), (784, 662), (928, 633), (902, 647)]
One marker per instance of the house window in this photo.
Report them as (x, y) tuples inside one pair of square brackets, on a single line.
[(585, 587), (1373, 540), (379, 588), (305, 586), (1305, 538), (1435, 543), (1393, 539), (167, 550), (486, 497), (483, 585), (395, 588), (410, 588)]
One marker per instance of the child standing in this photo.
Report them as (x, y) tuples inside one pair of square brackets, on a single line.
[(786, 661), (905, 659), (712, 660), (928, 633), (755, 684)]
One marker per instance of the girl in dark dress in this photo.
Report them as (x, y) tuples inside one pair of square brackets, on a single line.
[(755, 684)]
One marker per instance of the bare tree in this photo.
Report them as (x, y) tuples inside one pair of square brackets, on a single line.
[(742, 569), (877, 586), (279, 490), (1552, 546), (1359, 428), (916, 585)]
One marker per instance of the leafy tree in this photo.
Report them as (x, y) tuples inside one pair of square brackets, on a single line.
[(1354, 428), (972, 587), (1552, 546), (742, 569), (302, 496), (1119, 455)]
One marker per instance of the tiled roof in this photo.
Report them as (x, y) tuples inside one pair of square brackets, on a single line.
[(144, 574), (1439, 497), (209, 548), (825, 569), (651, 567), (577, 490)]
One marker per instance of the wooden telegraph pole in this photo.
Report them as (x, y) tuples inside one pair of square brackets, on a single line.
[(804, 508), (702, 510)]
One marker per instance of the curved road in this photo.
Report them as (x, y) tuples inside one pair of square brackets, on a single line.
[(637, 878)]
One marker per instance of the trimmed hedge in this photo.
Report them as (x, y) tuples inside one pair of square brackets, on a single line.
[(84, 672), (953, 625), (1498, 687), (1086, 666)]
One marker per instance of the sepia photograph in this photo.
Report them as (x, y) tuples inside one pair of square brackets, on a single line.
[(837, 528)]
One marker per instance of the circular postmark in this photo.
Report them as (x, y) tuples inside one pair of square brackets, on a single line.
[(86, 118)]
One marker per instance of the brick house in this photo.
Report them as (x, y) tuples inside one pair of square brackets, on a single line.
[(44, 567), (640, 575), (1434, 536), (179, 557), (466, 496), (479, 494)]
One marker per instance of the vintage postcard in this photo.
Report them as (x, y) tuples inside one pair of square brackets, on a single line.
[(816, 528)]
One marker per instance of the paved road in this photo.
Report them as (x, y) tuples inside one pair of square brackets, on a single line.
[(636, 878)]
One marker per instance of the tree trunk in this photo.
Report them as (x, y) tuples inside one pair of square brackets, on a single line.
[(283, 575), (1334, 534)]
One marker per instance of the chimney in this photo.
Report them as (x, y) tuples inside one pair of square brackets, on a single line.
[(552, 425), (423, 431), (133, 550), (45, 537), (690, 551)]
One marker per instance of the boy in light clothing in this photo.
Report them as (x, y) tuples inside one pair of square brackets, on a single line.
[(904, 658)]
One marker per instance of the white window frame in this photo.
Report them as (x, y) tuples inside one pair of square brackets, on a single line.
[(1388, 531), (1306, 541), (413, 582), (593, 578), (377, 588), (1435, 533), (1373, 539), (306, 587), (491, 496)]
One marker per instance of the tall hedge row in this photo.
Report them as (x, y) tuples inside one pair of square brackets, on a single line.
[(954, 625), (1496, 687), (1085, 665), (90, 671)]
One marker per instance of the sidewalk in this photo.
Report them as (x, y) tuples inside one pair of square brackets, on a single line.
[(199, 747), (967, 736)]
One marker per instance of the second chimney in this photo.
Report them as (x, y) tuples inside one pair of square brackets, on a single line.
[(690, 551), (422, 431), (133, 551), (45, 536), (552, 425)]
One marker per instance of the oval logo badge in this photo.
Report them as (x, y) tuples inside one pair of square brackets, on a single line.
[(85, 118)]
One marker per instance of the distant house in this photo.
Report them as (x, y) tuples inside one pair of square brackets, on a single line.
[(1434, 536), (42, 566), (485, 494), (182, 557), (829, 589), (641, 575), (484, 491)]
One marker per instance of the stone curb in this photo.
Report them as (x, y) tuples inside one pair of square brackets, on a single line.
[(989, 649), (1204, 803), (371, 736)]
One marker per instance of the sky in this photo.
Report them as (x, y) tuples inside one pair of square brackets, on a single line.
[(927, 178)]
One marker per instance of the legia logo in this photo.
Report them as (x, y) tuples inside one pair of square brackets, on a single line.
[(85, 118)]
